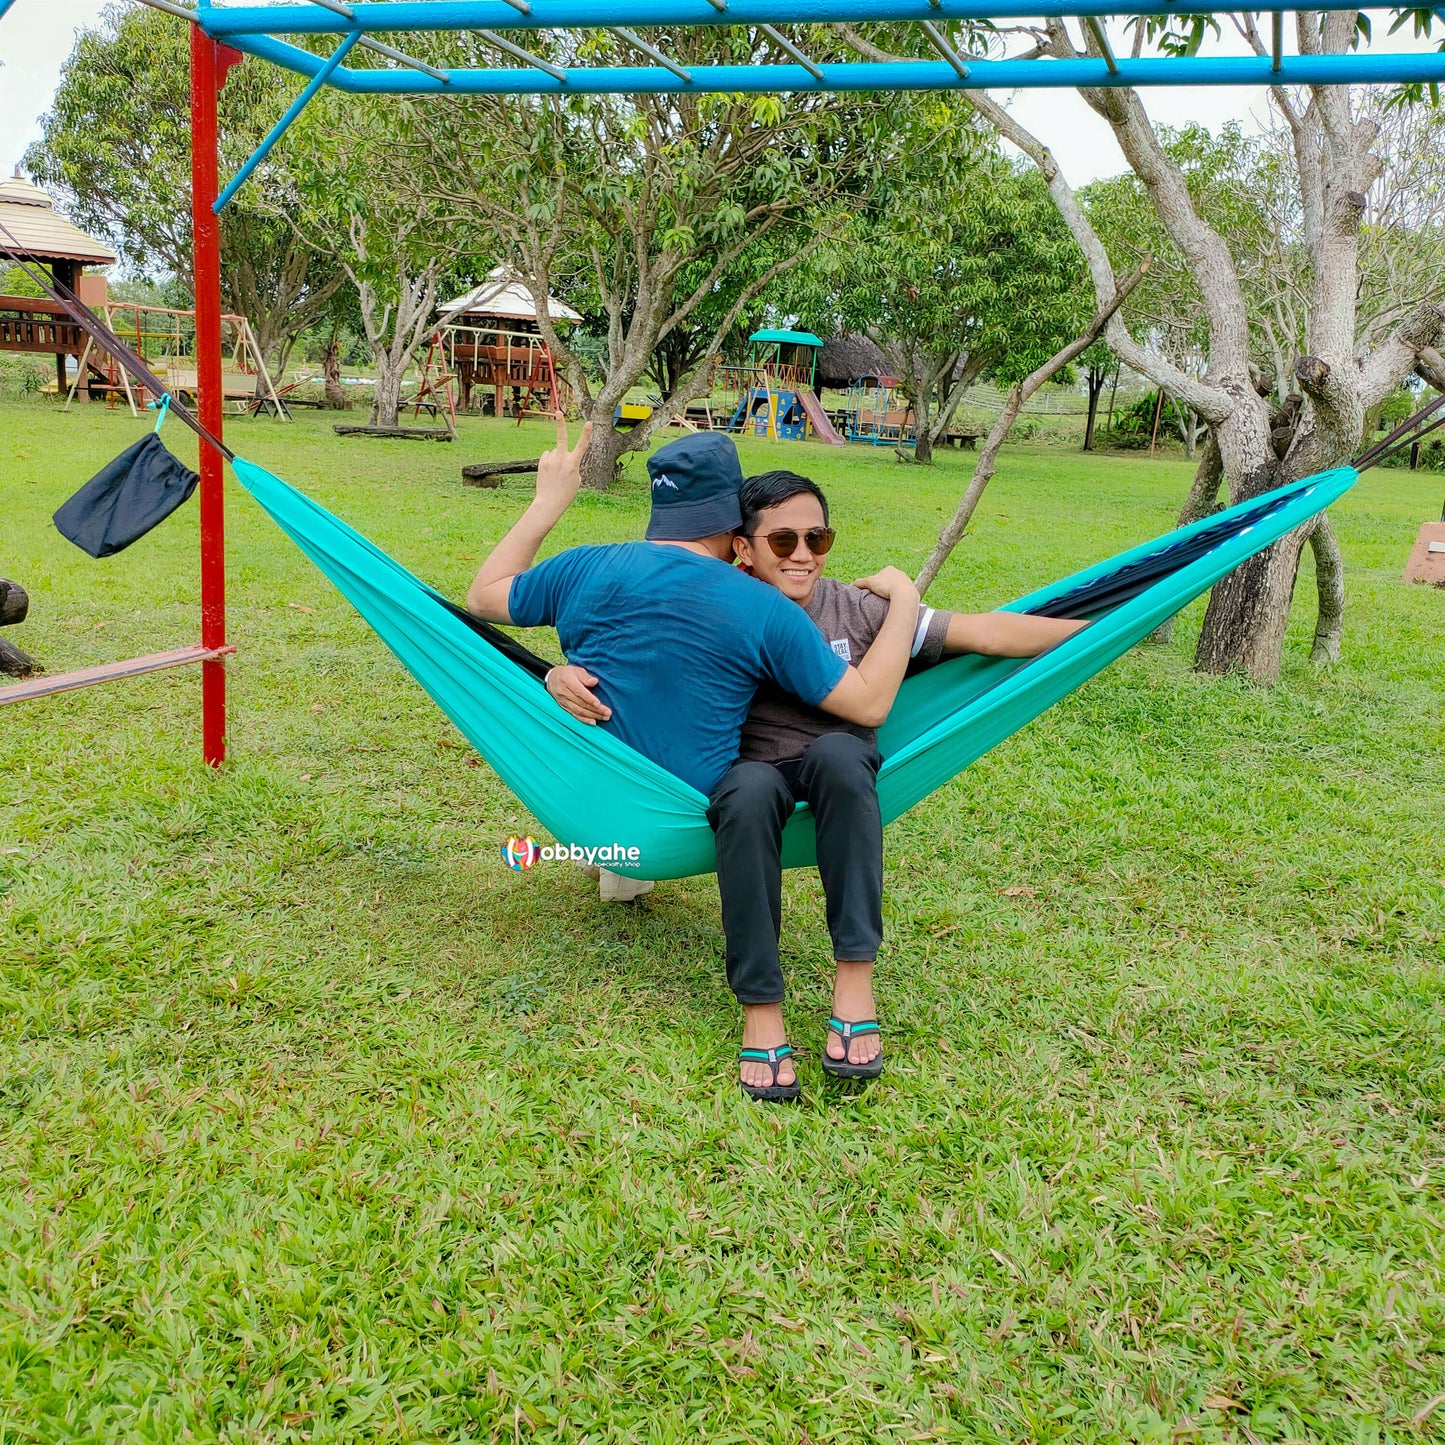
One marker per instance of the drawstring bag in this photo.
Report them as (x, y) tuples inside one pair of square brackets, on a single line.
[(124, 500)]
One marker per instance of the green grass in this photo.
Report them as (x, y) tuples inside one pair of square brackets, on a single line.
[(320, 1124)]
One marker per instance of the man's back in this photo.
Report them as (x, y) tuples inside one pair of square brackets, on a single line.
[(679, 643)]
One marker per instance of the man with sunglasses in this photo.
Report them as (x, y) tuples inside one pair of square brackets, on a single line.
[(791, 753)]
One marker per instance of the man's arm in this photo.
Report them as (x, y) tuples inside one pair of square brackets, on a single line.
[(559, 475), (865, 695), (1007, 634)]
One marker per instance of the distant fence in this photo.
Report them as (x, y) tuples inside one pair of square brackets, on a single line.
[(1047, 401)]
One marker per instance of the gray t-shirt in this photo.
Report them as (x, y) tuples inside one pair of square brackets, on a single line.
[(779, 728)]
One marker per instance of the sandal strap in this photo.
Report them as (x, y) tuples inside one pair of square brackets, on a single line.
[(774, 1056), (847, 1030)]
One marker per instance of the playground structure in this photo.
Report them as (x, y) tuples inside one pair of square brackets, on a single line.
[(36, 325), (493, 343), (165, 337), (877, 414), (221, 37), (775, 390)]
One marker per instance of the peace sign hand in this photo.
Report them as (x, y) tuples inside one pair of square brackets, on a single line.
[(559, 471)]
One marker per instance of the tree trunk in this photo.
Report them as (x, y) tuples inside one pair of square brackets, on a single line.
[(1244, 624), (331, 367), (604, 452), (1202, 499), (386, 400), (923, 446), (14, 663), (1330, 584), (1097, 378)]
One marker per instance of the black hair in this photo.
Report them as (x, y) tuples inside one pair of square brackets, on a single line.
[(772, 489)]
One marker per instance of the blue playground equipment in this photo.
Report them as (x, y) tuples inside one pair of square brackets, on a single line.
[(504, 24), (775, 390), (876, 414)]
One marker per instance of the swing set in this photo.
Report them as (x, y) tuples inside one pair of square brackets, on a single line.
[(165, 336), (223, 36)]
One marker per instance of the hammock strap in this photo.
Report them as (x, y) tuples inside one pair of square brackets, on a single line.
[(105, 338), (1406, 434)]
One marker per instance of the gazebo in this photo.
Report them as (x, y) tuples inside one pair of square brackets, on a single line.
[(493, 341), (31, 225)]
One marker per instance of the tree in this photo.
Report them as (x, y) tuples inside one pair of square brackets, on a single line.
[(117, 145), (957, 267), (1256, 443), (1099, 366), (658, 206)]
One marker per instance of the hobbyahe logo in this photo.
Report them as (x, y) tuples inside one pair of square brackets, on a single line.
[(521, 853)]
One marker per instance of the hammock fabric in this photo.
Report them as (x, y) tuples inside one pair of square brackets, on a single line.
[(586, 787)]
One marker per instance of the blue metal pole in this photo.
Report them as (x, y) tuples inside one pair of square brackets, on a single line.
[(4, 6), (913, 75), (443, 15), (323, 74)]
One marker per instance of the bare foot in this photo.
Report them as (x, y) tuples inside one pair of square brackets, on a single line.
[(852, 1003), (763, 1029)]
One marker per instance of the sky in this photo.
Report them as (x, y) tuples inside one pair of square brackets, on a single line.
[(37, 35)]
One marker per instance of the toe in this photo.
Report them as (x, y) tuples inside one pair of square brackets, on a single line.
[(864, 1050)]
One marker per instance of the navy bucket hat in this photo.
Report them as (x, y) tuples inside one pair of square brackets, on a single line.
[(695, 485)]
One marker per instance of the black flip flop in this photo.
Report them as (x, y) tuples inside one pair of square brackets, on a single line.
[(774, 1093), (841, 1068)]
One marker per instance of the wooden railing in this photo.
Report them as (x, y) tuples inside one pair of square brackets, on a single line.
[(28, 323)]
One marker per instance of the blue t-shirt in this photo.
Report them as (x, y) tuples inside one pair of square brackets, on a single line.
[(678, 643)]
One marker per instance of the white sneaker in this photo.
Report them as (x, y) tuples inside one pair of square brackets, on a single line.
[(620, 888)]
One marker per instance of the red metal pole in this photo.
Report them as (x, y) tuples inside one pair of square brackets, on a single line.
[(205, 84)]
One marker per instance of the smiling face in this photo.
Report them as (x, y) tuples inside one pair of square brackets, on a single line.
[(796, 574)]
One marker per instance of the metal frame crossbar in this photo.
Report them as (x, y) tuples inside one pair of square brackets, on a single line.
[(270, 32)]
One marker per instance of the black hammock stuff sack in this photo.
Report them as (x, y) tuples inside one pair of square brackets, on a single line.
[(124, 500)]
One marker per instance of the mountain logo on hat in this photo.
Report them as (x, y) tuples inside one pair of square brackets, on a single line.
[(664, 481)]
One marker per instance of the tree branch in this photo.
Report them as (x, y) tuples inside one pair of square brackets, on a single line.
[(1420, 333), (984, 468)]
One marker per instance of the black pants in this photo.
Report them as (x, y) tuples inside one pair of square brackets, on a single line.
[(838, 778)]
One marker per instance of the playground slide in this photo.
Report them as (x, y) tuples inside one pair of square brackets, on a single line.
[(818, 418)]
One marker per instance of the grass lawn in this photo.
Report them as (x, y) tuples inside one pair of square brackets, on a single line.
[(320, 1123)]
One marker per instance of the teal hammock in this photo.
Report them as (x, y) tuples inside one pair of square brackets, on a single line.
[(586, 787)]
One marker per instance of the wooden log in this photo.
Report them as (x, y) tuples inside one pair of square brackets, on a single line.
[(490, 474), (16, 663), (14, 602), (400, 433)]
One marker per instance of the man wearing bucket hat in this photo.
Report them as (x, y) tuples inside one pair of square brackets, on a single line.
[(680, 639)]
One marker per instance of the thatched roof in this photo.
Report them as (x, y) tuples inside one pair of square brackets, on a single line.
[(844, 359)]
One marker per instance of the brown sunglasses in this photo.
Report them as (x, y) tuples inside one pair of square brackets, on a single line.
[(784, 543)]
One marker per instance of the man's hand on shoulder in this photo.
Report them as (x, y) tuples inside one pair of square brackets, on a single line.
[(892, 583), (867, 691), (571, 688)]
